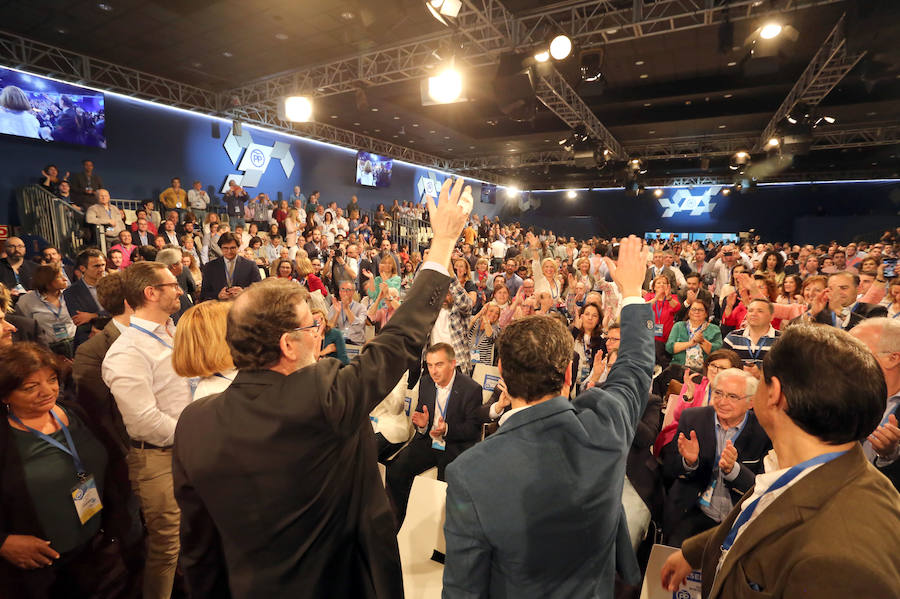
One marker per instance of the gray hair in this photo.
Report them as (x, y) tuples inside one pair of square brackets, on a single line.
[(750, 381), (887, 330), (169, 256)]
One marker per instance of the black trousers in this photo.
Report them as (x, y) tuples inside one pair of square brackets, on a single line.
[(416, 458), (385, 448), (693, 522)]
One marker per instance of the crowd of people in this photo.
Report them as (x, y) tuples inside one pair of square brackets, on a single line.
[(173, 385)]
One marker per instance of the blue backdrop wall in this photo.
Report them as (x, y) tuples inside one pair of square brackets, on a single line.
[(148, 144)]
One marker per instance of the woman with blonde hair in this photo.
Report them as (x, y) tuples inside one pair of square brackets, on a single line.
[(200, 349), (333, 344), (16, 117), (189, 261)]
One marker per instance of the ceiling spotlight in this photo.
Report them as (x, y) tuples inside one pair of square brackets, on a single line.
[(824, 119), (445, 87), (512, 191), (297, 109), (560, 47), (770, 30), (726, 191), (773, 143), (542, 56), (444, 10), (658, 192), (740, 159), (741, 155), (571, 194)]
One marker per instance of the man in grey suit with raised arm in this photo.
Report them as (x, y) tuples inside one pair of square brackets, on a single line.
[(535, 510), (277, 477)]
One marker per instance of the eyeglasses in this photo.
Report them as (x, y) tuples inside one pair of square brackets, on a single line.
[(715, 367), (315, 325), (733, 397), (172, 285)]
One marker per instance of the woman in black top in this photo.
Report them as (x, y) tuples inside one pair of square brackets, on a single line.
[(50, 455)]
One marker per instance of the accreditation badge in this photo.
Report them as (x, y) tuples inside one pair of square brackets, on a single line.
[(87, 499)]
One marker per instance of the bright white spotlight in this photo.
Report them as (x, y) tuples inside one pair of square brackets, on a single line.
[(512, 191), (726, 191), (560, 47), (657, 192), (542, 56), (773, 142), (444, 9), (741, 155), (770, 30), (298, 109), (571, 194), (445, 87)]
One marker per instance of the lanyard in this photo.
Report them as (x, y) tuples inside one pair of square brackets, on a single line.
[(222, 376), (693, 332), (740, 429), (56, 313), (782, 481), (896, 315), (443, 410), (152, 334), (659, 312), (759, 347), (69, 448)]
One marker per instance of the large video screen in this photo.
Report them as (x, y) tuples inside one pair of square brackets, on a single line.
[(40, 108), (373, 170)]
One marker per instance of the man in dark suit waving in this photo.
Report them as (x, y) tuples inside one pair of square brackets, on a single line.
[(535, 510), (447, 421), (226, 277), (277, 477)]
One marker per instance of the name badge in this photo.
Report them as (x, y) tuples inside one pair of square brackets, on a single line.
[(706, 499), (59, 331), (373, 420), (657, 330), (439, 444), (475, 355), (87, 499), (178, 204)]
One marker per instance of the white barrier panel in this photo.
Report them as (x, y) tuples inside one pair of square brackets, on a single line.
[(421, 535), (487, 377), (652, 587)]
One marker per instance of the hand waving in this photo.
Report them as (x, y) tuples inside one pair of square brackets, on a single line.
[(689, 448)]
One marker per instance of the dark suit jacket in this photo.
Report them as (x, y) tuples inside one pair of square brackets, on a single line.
[(78, 183), (463, 413), (832, 535), (751, 445), (277, 477), (79, 299), (93, 394), (535, 510), (859, 313), (136, 238), (641, 466), (26, 328), (26, 271), (214, 280)]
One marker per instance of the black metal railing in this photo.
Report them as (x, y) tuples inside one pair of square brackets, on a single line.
[(43, 214)]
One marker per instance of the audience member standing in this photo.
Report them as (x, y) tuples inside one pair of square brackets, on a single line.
[(199, 201), (85, 185), (150, 396), (277, 476), (802, 531), (535, 510), (226, 277), (174, 197), (81, 296)]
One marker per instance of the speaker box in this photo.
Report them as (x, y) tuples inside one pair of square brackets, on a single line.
[(514, 88)]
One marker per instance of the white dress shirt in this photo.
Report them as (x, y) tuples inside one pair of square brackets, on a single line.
[(211, 385), (138, 371), (441, 397)]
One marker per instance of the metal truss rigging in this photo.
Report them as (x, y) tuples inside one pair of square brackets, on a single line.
[(826, 69), (19, 52)]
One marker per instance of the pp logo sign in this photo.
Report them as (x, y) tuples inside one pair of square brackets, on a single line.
[(684, 201), (257, 158)]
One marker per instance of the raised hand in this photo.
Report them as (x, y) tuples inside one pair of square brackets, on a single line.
[(420, 419), (689, 448), (631, 267), (367, 273), (886, 437), (729, 457), (448, 218)]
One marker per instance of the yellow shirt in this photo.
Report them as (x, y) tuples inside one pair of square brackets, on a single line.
[(172, 198), (469, 235)]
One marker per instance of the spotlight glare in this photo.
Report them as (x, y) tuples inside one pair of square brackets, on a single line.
[(571, 194), (657, 192), (773, 142), (828, 119), (542, 56), (512, 191), (560, 47), (770, 30), (446, 87), (298, 109), (726, 191), (741, 155)]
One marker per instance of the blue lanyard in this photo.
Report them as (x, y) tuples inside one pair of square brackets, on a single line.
[(152, 334), (80, 470), (222, 376), (897, 315), (755, 353), (658, 312), (446, 401), (56, 313), (740, 429), (782, 481)]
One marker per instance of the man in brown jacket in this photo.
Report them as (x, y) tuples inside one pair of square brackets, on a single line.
[(93, 394), (821, 522)]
